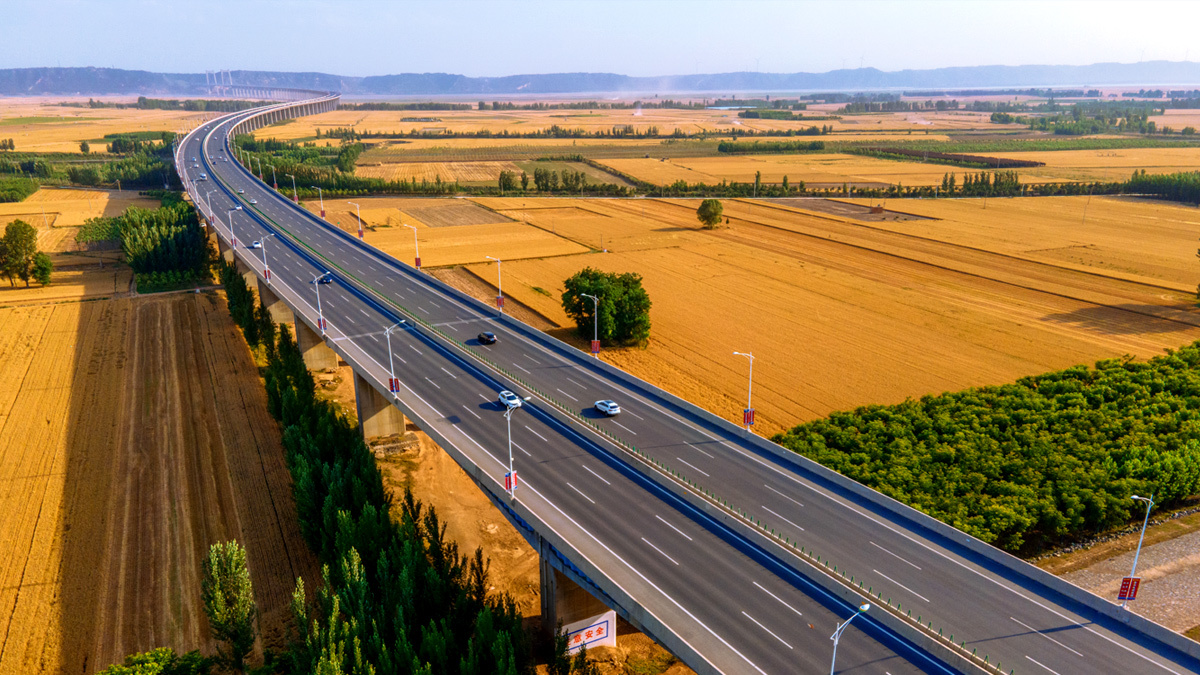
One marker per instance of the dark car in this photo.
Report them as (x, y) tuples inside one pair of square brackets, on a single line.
[(327, 279), (487, 338)]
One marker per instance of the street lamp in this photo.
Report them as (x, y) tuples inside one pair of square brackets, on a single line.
[(273, 180), (295, 197), (266, 268), (416, 245), (393, 383), (232, 236), (1149, 505), (837, 634), (260, 171), (595, 324), (748, 413), (510, 479), (209, 202), (320, 314), (322, 198), (499, 285), (359, 214)]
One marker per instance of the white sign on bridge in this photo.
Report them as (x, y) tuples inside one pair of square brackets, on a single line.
[(597, 631)]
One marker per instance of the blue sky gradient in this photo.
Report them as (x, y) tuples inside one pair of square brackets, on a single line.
[(643, 37)]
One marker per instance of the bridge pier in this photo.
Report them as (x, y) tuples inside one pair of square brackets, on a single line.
[(280, 312), (376, 414), (317, 354), (224, 249), (247, 273), (585, 619)]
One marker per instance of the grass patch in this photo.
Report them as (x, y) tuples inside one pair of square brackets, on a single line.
[(14, 121), (652, 665), (539, 289)]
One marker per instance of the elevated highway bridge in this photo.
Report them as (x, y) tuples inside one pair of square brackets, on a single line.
[(735, 554)]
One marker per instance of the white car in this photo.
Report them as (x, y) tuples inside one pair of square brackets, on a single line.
[(256, 244), (509, 400), (608, 408), (241, 191), (253, 200)]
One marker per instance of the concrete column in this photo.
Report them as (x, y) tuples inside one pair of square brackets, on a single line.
[(247, 273), (563, 600), (280, 312), (376, 414), (317, 354), (224, 249)]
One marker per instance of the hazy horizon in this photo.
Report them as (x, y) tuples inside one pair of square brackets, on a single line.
[(647, 38)]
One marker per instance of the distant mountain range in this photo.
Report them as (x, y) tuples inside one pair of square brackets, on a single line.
[(98, 81)]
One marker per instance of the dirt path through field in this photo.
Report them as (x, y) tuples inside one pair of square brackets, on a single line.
[(134, 434)]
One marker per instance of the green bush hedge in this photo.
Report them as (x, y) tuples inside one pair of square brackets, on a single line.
[(1046, 459)]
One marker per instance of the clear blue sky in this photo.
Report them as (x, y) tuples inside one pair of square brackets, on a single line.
[(642, 37)]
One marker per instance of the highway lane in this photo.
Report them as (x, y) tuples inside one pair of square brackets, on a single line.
[(671, 547), (943, 582)]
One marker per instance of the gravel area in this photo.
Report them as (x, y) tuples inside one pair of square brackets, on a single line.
[(1170, 572)]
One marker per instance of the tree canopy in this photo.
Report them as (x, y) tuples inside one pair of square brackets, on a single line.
[(229, 601), (624, 306), (19, 251), (709, 212), (1046, 459)]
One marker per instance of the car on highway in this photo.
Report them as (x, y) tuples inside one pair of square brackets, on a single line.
[(256, 244), (323, 280), (608, 408), (241, 191), (487, 338), (253, 200), (509, 400)]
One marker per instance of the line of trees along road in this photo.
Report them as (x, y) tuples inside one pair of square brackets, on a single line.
[(1043, 461)]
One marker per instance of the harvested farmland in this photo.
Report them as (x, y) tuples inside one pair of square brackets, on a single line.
[(827, 304), (1142, 240), (135, 433), (37, 125), (816, 169), (447, 172)]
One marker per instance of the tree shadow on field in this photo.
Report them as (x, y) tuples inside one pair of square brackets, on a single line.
[(1130, 319)]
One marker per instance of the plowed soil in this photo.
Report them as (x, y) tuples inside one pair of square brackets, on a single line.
[(133, 434)]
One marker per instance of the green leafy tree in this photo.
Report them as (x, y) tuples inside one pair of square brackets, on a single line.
[(161, 661), (20, 246), (524, 181), (624, 306), (710, 212), (42, 268), (84, 147), (229, 601)]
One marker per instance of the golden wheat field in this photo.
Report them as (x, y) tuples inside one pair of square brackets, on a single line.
[(1144, 240), (447, 172), (690, 121), (123, 457), (828, 304), (819, 169), (450, 231), (37, 125), (1110, 165), (61, 207)]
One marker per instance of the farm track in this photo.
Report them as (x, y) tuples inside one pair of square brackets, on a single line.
[(137, 435)]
